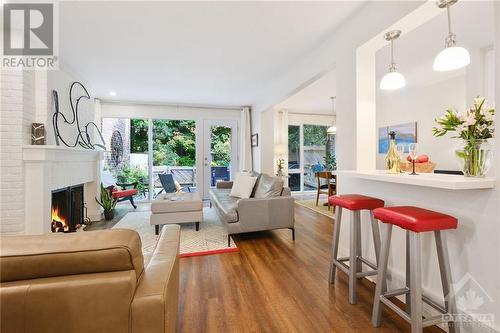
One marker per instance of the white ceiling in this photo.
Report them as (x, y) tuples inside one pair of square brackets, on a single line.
[(415, 51), (315, 98), (212, 53)]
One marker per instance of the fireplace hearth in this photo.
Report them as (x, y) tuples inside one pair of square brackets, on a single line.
[(67, 209)]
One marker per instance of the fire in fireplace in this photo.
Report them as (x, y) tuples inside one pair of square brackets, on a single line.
[(67, 209), (59, 223)]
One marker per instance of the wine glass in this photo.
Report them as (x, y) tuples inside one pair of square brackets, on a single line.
[(413, 147)]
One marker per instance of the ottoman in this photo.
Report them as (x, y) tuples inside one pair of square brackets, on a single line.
[(170, 208)]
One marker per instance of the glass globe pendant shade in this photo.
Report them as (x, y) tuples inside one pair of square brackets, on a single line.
[(451, 58), (392, 81)]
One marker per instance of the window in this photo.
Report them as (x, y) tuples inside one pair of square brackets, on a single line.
[(293, 147), (314, 154), (174, 151), (294, 139), (126, 157), (310, 149)]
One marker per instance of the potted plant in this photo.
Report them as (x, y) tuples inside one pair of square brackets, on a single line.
[(474, 126), (107, 202), (280, 163)]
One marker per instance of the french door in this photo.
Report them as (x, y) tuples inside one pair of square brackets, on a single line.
[(309, 151), (220, 152)]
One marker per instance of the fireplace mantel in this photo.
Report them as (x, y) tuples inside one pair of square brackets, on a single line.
[(58, 153), (48, 168)]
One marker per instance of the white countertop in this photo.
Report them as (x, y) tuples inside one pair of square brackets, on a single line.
[(450, 182)]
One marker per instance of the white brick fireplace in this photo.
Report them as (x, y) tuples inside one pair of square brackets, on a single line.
[(29, 173), (49, 168)]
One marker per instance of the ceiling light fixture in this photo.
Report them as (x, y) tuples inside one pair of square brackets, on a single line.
[(332, 129), (452, 57), (112, 93), (392, 80)]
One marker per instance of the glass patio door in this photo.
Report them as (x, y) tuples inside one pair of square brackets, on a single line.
[(173, 152), (220, 158), (309, 151)]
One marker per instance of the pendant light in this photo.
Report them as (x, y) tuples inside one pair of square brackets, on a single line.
[(332, 129), (452, 57), (392, 80)]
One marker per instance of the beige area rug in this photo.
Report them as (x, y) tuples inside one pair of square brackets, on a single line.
[(210, 239), (311, 204)]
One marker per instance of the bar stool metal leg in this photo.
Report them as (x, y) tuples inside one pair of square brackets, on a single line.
[(359, 263), (353, 256), (382, 274), (408, 296), (376, 236), (415, 283), (376, 242), (335, 243), (444, 267)]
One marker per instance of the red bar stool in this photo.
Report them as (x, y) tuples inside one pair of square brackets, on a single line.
[(355, 203), (415, 221)]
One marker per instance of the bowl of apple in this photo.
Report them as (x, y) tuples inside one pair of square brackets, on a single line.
[(422, 164)]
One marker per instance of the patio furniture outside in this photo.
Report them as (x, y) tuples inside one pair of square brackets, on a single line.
[(219, 173)]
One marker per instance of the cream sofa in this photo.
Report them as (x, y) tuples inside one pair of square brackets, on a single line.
[(254, 214), (89, 282)]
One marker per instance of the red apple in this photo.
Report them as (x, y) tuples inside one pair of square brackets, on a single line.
[(422, 159)]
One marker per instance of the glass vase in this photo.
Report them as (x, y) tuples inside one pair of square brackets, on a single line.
[(475, 157)]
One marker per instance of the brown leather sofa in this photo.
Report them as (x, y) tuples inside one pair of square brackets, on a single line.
[(89, 282)]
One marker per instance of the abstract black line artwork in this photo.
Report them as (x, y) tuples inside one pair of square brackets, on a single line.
[(77, 93)]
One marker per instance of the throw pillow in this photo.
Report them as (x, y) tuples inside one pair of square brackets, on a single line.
[(255, 174), (243, 186), (268, 187)]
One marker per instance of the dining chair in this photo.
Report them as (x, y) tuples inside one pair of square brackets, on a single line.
[(326, 185)]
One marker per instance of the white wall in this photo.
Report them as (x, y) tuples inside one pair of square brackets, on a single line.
[(267, 141), (17, 112), (425, 100), (423, 104), (25, 98), (497, 85), (255, 119), (61, 80), (300, 118)]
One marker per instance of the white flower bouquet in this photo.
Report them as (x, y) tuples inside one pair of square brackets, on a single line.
[(474, 126)]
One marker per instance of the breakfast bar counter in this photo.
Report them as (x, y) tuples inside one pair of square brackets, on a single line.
[(474, 247), (443, 181)]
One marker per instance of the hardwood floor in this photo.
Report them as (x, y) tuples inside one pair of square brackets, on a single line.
[(276, 285)]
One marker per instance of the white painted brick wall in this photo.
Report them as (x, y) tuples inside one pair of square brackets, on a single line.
[(25, 98), (17, 112)]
